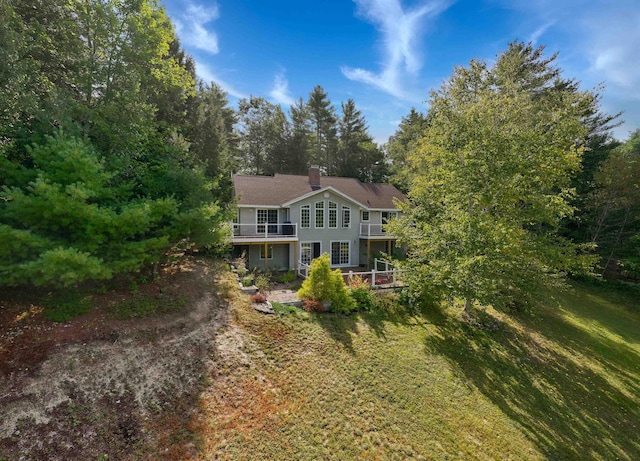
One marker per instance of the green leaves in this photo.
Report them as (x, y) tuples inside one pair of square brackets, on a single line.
[(490, 181)]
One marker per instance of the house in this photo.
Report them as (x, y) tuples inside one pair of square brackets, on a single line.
[(286, 219)]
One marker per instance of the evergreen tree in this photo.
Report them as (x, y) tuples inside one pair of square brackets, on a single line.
[(211, 130), (264, 132), (323, 119), (358, 156), (401, 143), (299, 145)]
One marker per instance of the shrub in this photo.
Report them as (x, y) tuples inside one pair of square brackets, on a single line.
[(258, 298), (287, 277), (247, 281), (62, 306), (360, 292), (324, 285), (313, 306), (240, 264), (263, 281)]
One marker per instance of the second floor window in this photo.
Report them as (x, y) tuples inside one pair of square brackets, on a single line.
[(333, 215), (346, 217), (319, 215), (305, 216)]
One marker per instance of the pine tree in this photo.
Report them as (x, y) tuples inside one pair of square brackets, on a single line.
[(323, 119)]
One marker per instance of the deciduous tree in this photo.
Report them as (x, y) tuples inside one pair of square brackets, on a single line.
[(489, 186)]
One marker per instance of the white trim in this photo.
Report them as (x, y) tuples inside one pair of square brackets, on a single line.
[(261, 206), (384, 209), (320, 191), (348, 242)]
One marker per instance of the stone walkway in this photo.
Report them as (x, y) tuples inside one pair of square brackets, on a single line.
[(283, 296)]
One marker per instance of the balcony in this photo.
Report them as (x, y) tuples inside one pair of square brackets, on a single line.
[(374, 231), (269, 232)]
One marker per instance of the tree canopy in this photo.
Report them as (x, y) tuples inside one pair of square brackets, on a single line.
[(97, 176), (490, 181)]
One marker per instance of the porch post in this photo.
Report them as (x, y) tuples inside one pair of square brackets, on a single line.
[(266, 256), (295, 256), (368, 252)]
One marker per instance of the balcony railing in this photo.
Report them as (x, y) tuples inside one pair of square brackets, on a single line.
[(265, 231), (373, 230)]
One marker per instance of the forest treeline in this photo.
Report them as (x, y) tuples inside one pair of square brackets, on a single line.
[(113, 152)]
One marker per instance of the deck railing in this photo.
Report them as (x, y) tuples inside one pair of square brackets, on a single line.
[(266, 231), (387, 278), (373, 230)]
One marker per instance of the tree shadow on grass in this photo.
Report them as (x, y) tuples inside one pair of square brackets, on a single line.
[(342, 327), (565, 407)]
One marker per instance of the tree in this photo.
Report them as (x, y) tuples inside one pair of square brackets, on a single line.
[(71, 223), (358, 156), (264, 133), (616, 206), (401, 143), (490, 184), (323, 119), (96, 177), (211, 132), (299, 145)]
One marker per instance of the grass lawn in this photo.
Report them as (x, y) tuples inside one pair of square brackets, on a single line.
[(563, 384)]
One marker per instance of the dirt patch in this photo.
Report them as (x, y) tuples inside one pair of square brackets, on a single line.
[(102, 387)]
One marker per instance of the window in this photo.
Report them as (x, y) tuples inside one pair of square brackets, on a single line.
[(319, 215), (346, 217), (340, 253), (333, 215), (305, 217), (365, 215), (388, 216), (269, 217), (269, 254), (309, 251), (305, 252)]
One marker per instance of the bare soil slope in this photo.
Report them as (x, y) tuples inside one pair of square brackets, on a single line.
[(99, 387)]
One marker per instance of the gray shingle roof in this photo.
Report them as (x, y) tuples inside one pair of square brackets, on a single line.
[(282, 188)]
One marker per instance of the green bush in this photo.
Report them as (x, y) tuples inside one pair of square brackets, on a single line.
[(262, 281), (361, 293), (287, 277), (324, 285), (247, 281), (62, 306)]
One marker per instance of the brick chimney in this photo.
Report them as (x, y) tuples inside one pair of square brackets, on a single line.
[(314, 177)]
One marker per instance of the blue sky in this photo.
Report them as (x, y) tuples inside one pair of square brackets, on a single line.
[(388, 54)]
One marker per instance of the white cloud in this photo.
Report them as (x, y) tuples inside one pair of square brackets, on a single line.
[(614, 41), (400, 30), (600, 39), (206, 74), (280, 92), (192, 30), (539, 32)]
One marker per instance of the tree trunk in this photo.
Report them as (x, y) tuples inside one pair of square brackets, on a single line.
[(467, 306)]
